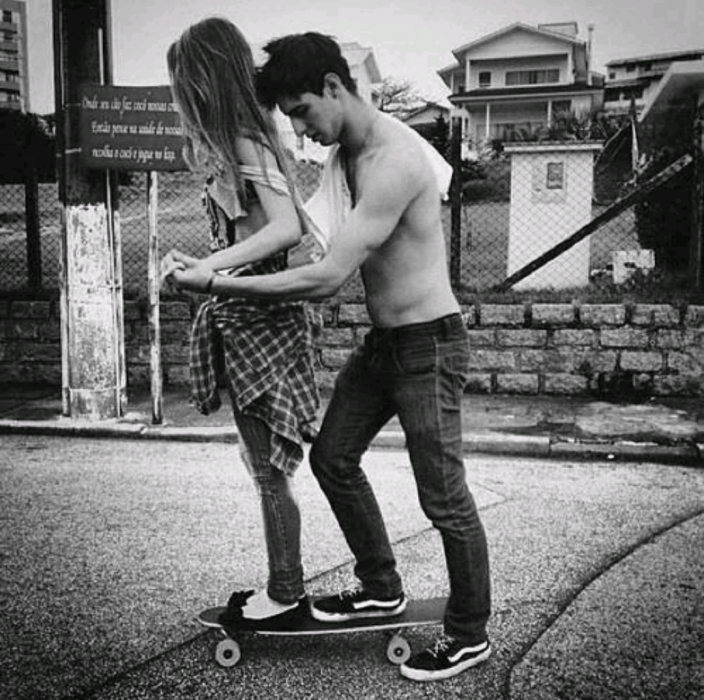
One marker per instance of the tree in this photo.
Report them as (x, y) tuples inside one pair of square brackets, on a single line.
[(25, 140), (398, 97), (437, 134)]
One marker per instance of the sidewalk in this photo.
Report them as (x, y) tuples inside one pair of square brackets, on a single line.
[(669, 430)]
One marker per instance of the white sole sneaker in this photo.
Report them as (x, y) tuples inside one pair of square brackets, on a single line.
[(422, 674), (362, 614)]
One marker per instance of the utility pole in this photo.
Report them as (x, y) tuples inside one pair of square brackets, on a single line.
[(92, 327)]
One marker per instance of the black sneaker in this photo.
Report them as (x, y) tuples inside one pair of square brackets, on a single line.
[(356, 604), (232, 614), (233, 618), (446, 658)]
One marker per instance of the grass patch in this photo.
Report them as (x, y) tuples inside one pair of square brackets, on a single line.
[(658, 287)]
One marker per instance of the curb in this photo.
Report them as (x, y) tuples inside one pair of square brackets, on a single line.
[(689, 455), (487, 442)]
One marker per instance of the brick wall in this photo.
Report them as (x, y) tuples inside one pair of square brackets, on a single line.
[(30, 342), (607, 350)]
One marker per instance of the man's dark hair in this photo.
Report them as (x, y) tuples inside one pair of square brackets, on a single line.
[(298, 63)]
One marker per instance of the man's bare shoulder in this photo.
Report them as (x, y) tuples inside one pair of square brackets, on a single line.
[(398, 148), (398, 137)]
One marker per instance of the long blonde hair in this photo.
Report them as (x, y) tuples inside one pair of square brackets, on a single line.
[(211, 69)]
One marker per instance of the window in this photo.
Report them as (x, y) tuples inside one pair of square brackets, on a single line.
[(7, 16), (630, 67), (612, 95), (562, 106), (484, 79), (532, 77)]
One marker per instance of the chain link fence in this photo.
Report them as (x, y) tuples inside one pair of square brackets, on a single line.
[(508, 212), (554, 195), (181, 223), (18, 266)]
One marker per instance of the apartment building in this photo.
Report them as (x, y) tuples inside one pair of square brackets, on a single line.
[(636, 79), (14, 73)]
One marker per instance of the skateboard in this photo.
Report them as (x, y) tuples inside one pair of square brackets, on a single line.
[(426, 611)]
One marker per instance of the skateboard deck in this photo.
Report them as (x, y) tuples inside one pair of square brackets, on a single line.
[(425, 611)]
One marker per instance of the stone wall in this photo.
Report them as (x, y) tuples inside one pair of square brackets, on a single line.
[(607, 350)]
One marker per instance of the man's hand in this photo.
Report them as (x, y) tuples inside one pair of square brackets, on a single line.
[(168, 265), (184, 272)]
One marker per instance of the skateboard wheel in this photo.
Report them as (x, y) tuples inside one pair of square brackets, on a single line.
[(398, 650), (228, 653)]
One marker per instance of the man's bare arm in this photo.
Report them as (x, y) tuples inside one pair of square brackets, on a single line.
[(384, 196)]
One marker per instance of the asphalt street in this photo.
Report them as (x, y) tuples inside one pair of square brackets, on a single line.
[(110, 547)]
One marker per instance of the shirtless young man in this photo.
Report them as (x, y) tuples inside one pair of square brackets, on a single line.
[(412, 364)]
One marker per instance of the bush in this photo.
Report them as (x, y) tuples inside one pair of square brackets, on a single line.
[(437, 134), (486, 180), (26, 140), (663, 219)]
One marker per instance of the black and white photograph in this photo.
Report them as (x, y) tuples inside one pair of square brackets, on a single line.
[(351, 352)]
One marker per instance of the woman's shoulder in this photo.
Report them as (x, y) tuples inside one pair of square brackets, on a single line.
[(254, 153)]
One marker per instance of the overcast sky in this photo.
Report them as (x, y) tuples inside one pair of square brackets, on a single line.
[(411, 39)]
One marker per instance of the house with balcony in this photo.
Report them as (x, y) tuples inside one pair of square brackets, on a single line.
[(518, 78), (635, 80)]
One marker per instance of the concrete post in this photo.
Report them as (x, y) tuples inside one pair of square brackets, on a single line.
[(93, 363), (551, 198)]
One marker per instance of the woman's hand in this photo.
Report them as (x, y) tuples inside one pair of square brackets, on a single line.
[(185, 272), (168, 264)]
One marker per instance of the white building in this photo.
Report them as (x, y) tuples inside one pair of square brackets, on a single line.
[(518, 77), (636, 79)]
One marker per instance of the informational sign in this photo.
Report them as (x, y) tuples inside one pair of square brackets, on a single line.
[(130, 128)]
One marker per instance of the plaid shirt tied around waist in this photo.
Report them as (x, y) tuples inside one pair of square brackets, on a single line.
[(266, 348)]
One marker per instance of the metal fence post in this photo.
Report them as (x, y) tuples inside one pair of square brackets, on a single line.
[(697, 234), (456, 204), (31, 206), (156, 371)]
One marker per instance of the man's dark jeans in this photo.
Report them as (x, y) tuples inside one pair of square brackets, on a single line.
[(417, 372)]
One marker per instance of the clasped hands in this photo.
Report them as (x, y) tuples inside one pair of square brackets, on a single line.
[(180, 271)]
